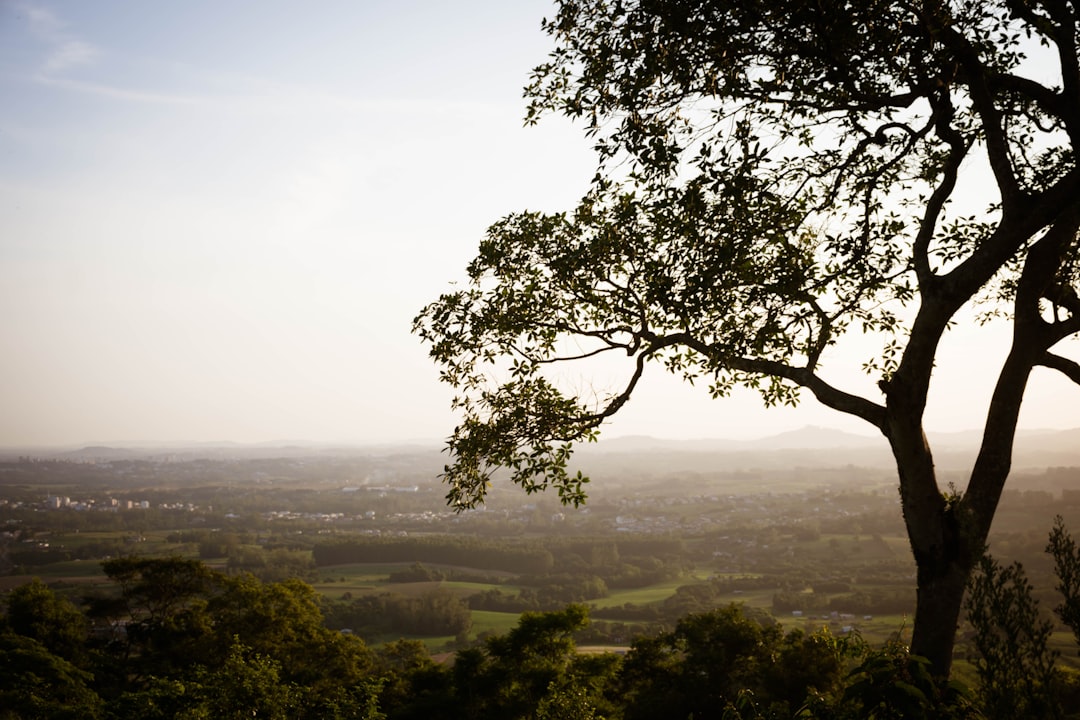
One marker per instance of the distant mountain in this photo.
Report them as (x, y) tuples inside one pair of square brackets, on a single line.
[(1046, 448), (813, 446), (220, 450), (99, 452), (646, 443), (813, 437), (1033, 448), (1054, 440), (808, 438), (808, 446), (963, 439)]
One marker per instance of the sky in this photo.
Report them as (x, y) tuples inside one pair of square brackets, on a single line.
[(217, 221)]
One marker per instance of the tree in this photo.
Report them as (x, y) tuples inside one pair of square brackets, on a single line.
[(1063, 549), (163, 602), (35, 683), (247, 685), (516, 671), (1013, 660), (772, 175), (726, 663), (35, 611), (283, 622), (154, 589)]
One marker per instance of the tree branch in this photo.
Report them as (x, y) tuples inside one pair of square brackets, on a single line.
[(958, 150), (1061, 29), (1065, 366), (825, 393), (997, 144), (1047, 100), (617, 401)]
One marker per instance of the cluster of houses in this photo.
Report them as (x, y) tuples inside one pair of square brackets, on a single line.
[(61, 502)]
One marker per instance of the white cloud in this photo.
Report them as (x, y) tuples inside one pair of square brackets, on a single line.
[(64, 50), (118, 93), (42, 21), (69, 54)]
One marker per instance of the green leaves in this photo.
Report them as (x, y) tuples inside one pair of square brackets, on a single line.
[(770, 176), (1013, 661), (527, 427), (1063, 549), (631, 273)]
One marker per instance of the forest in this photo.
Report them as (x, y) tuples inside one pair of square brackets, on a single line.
[(174, 638)]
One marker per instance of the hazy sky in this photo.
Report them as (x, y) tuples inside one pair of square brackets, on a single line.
[(217, 220)]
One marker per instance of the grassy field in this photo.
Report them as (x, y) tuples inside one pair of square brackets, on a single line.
[(751, 598), (368, 578), (498, 622), (67, 570), (483, 621), (864, 546), (361, 572), (471, 588), (640, 596), (339, 580)]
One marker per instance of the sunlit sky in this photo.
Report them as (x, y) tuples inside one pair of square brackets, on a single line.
[(217, 220)]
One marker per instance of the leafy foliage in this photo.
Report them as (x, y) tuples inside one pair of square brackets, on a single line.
[(771, 177), (35, 611), (247, 685), (37, 685), (1015, 666), (267, 654), (892, 684), (1063, 549), (1017, 670)]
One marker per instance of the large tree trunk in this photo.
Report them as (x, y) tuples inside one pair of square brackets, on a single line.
[(940, 594), (946, 538), (945, 549), (948, 530)]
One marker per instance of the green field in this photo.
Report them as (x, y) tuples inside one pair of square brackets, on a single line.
[(498, 622), (471, 588), (483, 621), (368, 578), (752, 598), (361, 572), (865, 547), (640, 596), (89, 569)]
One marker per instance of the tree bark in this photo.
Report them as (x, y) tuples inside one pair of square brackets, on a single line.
[(939, 597), (948, 530), (942, 546), (946, 546)]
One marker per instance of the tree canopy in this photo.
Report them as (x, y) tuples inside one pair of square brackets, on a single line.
[(773, 177)]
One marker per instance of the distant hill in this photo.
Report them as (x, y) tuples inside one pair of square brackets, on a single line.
[(808, 446), (813, 437), (99, 452), (219, 450), (810, 437), (646, 443), (821, 447)]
